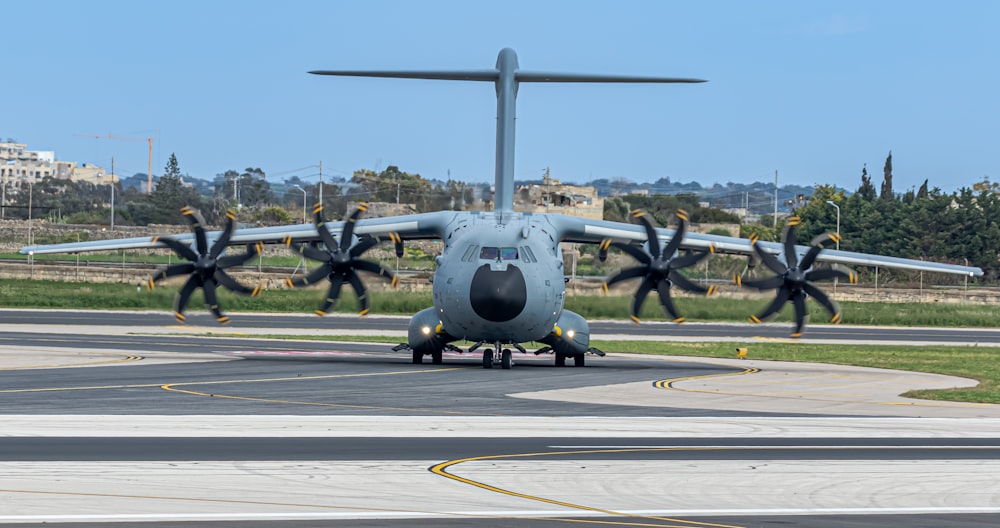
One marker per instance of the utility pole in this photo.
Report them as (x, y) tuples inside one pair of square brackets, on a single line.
[(112, 193), (775, 199), (320, 182)]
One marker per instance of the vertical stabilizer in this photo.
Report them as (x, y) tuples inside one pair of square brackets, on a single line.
[(503, 198)]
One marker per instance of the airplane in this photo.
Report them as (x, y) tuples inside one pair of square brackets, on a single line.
[(499, 282)]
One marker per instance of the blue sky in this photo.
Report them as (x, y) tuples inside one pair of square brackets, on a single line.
[(811, 89)]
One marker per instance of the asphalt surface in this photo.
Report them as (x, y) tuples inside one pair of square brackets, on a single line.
[(273, 377)]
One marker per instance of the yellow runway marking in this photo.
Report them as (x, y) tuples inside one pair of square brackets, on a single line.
[(91, 387), (442, 470), (667, 384), (174, 387)]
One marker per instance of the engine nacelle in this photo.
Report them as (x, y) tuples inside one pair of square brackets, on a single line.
[(425, 334), (571, 335)]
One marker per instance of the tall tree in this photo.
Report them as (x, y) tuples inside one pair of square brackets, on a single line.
[(254, 190), (922, 191), (170, 195), (887, 181), (867, 190)]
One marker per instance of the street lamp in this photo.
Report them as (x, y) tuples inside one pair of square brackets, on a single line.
[(838, 222), (304, 198)]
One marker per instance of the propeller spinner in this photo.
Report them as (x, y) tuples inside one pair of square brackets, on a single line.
[(794, 279), (340, 260), (659, 267), (205, 267)]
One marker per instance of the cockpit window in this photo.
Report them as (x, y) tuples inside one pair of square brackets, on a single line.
[(496, 253)]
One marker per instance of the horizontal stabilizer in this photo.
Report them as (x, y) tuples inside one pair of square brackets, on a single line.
[(493, 75), (450, 75), (555, 77)]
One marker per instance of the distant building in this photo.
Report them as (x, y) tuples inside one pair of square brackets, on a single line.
[(552, 196), (19, 165)]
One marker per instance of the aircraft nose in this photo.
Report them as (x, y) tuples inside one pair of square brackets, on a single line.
[(498, 296)]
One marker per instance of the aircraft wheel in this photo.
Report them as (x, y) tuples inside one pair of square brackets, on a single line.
[(506, 359), (560, 359), (418, 357), (488, 358), (437, 357), (580, 360)]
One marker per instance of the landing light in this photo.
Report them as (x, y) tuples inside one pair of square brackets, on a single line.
[(426, 330), (570, 333)]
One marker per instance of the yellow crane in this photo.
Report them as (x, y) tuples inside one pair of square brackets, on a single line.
[(149, 163)]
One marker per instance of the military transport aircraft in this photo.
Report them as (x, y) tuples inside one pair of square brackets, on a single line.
[(499, 281)]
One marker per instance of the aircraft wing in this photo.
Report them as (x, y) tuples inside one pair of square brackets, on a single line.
[(584, 230), (409, 227)]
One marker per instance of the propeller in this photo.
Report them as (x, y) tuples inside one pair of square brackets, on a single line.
[(206, 269), (794, 280), (340, 260), (659, 267)]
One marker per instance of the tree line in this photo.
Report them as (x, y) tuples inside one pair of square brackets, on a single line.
[(958, 228)]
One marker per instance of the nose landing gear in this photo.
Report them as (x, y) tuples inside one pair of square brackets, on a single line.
[(500, 356)]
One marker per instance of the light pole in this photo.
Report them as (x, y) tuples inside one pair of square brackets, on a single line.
[(838, 222), (836, 279), (304, 198)]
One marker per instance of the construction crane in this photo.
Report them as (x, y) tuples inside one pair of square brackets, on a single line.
[(149, 163)]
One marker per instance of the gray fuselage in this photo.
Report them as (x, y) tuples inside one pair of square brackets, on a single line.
[(499, 278)]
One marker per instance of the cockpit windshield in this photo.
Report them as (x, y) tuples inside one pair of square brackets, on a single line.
[(498, 253)]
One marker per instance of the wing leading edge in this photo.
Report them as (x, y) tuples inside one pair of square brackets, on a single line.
[(582, 230), (409, 227)]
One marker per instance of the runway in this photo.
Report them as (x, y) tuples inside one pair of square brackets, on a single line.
[(124, 426)]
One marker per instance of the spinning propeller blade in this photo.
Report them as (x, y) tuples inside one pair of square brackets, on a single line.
[(794, 279), (658, 266), (205, 268), (340, 261)]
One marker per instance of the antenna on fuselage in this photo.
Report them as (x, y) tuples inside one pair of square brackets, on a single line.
[(506, 77)]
